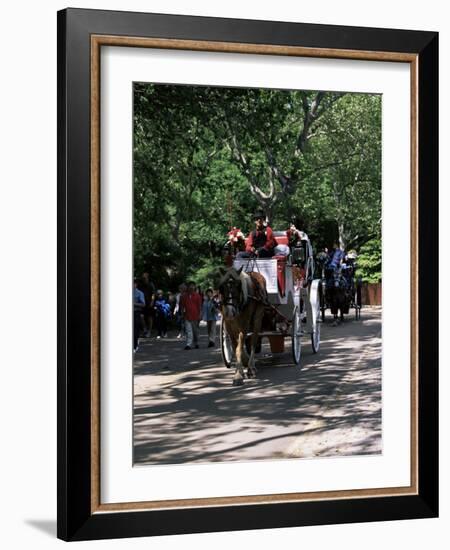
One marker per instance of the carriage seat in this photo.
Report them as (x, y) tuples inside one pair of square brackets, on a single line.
[(281, 261), (281, 239)]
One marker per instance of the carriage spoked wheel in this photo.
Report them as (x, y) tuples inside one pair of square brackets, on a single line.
[(296, 336), (322, 305), (358, 313), (226, 346), (315, 336), (358, 301)]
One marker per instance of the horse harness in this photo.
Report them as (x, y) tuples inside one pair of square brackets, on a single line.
[(256, 293)]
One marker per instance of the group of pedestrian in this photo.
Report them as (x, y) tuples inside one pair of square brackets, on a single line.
[(185, 309), (192, 307), (151, 309)]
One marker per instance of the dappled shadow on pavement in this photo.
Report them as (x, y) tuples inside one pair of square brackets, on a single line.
[(186, 409)]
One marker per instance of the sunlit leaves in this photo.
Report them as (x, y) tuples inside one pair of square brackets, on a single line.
[(205, 158)]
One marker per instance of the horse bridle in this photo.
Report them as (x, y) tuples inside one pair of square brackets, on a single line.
[(229, 297)]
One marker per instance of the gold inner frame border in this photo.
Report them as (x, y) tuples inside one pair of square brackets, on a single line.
[(97, 41)]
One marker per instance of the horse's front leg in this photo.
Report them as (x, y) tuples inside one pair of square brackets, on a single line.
[(238, 379), (252, 371)]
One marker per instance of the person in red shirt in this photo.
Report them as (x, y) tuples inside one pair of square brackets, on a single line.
[(260, 242), (191, 306)]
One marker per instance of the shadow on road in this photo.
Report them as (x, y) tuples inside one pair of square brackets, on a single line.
[(186, 409)]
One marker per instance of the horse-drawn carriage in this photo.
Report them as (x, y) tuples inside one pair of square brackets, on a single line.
[(341, 287), (289, 308)]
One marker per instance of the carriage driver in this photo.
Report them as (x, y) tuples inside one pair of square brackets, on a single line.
[(261, 241), (335, 259)]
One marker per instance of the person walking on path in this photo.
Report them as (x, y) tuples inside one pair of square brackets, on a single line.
[(178, 312), (162, 314), (138, 308), (191, 304), (209, 314), (148, 288)]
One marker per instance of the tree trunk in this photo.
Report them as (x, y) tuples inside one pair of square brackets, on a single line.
[(342, 236)]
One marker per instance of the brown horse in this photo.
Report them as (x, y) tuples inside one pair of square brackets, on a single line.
[(243, 297)]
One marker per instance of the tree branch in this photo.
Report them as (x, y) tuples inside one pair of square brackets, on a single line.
[(262, 197), (311, 114)]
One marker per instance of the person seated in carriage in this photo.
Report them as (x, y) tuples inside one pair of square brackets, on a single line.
[(296, 238), (261, 241), (236, 240), (350, 258), (335, 259), (336, 256), (348, 267), (234, 245), (294, 235)]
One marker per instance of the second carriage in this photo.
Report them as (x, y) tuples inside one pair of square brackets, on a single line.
[(293, 307), (341, 287)]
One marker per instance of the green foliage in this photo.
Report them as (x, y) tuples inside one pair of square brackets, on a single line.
[(205, 158), (205, 276), (369, 262)]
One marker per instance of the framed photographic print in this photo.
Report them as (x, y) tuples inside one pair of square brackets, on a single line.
[(247, 274)]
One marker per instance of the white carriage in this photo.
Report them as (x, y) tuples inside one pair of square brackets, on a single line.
[(294, 298)]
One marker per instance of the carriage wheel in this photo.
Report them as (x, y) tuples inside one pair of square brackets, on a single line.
[(357, 311), (358, 301), (226, 346), (315, 336), (296, 336), (322, 302)]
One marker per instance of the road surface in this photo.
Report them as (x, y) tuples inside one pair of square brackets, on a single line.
[(186, 409)]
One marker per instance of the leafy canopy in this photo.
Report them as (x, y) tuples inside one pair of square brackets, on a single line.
[(206, 157)]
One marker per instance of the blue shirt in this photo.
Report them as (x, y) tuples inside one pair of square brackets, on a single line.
[(139, 297), (336, 256), (162, 306), (209, 310)]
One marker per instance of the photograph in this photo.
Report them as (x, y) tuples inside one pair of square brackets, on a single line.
[(257, 274), (226, 218), (247, 256)]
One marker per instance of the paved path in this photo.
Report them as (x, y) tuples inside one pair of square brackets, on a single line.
[(186, 409)]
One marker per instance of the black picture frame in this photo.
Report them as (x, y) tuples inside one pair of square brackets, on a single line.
[(76, 518)]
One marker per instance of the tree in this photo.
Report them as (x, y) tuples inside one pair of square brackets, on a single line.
[(205, 158), (369, 262), (345, 167), (267, 133)]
